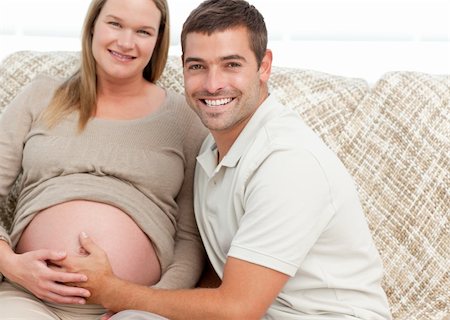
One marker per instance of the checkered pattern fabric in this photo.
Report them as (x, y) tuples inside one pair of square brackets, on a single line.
[(397, 147)]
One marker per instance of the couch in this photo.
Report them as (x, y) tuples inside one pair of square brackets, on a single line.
[(394, 138)]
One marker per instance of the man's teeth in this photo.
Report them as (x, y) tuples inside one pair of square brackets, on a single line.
[(217, 102)]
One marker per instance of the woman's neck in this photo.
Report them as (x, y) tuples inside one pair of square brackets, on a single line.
[(122, 89)]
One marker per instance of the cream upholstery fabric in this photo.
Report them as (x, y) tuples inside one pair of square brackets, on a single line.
[(394, 139), (20, 68), (397, 147), (325, 102)]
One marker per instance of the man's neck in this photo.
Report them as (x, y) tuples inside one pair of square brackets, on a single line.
[(225, 138)]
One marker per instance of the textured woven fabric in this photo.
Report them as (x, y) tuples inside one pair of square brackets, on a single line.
[(20, 68), (397, 147), (324, 101)]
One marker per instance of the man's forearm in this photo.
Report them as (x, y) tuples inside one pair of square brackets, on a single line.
[(246, 292), (172, 304)]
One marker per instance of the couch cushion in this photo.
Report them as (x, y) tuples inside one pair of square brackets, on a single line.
[(397, 147), (20, 68), (324, 101)]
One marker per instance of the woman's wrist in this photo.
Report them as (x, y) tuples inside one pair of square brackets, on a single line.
[(5, 252)]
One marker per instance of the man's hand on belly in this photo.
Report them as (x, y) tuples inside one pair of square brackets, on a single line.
[(32, 271)]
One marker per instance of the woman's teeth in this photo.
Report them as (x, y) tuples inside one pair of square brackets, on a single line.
[(121, 56), (217, 102)]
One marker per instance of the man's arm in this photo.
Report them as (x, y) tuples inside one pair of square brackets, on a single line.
[(209, 277), (246, 292)]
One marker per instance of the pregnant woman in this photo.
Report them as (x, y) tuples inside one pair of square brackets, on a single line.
[(108, 152)]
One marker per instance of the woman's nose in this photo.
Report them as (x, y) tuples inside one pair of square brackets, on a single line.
[(126, 39)]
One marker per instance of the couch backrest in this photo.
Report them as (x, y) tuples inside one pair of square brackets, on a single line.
[(397, 147)]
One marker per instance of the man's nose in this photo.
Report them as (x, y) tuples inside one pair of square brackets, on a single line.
[(214, 80)]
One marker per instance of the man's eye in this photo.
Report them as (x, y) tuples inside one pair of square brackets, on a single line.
[(195, 67), (233, 65)]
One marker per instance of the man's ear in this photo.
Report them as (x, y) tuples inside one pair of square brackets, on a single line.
[(266, 66)]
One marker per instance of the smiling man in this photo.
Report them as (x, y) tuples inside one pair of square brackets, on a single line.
[(278, 213)]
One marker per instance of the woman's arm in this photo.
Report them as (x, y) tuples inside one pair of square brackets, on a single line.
[(189, 255), (30, 269)]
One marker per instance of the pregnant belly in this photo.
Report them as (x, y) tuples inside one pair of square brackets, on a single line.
[(129, 250)]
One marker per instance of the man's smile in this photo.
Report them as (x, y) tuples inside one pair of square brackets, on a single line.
[(217, 102)]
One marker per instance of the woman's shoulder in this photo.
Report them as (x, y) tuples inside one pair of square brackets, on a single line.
[(44, 83), (40, 89), (36, 94), (175, 97), (186, 117), (176, 101)]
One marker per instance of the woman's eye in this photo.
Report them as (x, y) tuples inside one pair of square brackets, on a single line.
[(114, 24), (145, 33)]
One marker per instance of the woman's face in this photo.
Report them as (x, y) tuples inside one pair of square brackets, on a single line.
[(124, 37)]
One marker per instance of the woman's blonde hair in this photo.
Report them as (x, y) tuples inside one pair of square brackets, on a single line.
[(79, 91)]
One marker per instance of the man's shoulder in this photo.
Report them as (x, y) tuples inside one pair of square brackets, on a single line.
[(286, 130), (288, 138)]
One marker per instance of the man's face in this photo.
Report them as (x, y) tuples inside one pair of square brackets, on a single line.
[(222, 81)]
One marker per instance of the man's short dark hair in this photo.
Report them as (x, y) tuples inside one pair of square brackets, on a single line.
[(220, 15)]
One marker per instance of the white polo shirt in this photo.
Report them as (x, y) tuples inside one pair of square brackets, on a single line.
[(281, 199)]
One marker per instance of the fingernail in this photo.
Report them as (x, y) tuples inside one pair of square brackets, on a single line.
[(84, 278), (84, 234), (81, 301)]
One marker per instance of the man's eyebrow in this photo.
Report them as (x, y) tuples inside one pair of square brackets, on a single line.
[(193, 59), (225, 58), (233, 57)]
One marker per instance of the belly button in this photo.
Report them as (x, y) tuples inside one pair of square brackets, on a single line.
[(82, 251)]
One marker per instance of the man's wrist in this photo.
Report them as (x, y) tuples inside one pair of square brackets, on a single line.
[(108, 299)]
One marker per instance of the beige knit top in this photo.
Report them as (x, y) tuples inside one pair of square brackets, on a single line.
[(143, 167)]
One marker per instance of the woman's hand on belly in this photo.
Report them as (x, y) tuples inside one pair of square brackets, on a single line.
[(31, 271), (95, 265)]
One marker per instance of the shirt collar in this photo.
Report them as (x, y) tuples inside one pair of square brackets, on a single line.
[(266, 111)]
